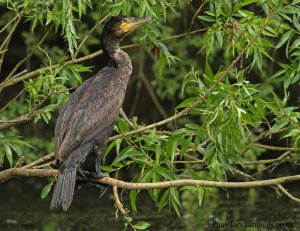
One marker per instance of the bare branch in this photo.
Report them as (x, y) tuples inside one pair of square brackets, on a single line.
[(29, 55), (39, 161), (101, 20), (281, 158), (285, 192), (13, 100), (4, 124), (195, 15), (153, 96), (125, 118), (119, 204), (155, 185), (279, 186), (7, 40), (268, 147)]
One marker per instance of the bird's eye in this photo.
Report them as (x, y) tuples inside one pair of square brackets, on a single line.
[(127, 20)]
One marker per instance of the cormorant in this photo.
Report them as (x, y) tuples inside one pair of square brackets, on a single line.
[(87, 119)]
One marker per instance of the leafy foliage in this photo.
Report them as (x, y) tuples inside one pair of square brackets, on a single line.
[(258, 98)]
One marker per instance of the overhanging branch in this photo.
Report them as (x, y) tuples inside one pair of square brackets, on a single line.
[(49, 173)]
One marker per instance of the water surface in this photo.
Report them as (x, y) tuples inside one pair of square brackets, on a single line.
[(22, 209)]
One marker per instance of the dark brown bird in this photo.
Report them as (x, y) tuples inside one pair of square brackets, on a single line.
[(87, 119)]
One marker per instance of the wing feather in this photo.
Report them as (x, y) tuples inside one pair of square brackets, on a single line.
[(93, 108)]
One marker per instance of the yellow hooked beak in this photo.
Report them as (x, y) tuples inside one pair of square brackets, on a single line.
[(134, 23)]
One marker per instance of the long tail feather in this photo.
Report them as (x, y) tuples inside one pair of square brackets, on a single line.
[(64, 189)]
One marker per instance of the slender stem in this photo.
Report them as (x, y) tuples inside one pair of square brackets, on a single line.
[(29, 55), (4, 124), (39, 161), (278, 186), (153, 96), (7, 41), (20, 119), (285, 192), (10, 22), (119, 204), (125, 118), (269, 161), (13, 100), (195, 15), (101, 20), (268, 147)]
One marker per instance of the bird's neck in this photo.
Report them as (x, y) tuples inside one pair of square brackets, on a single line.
[(118, 58)]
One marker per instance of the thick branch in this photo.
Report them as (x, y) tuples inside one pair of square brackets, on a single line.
[(156, 185)]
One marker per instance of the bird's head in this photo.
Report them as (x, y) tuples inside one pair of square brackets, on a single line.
[(119, 26)]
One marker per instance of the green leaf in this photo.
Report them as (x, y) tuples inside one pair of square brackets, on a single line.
[(278, 125), (200, 195), (164, 199), (207, 18), (133, 195), (175, 195), (122, 125), (292, 133), (175, 206), (46, 190), (284, 38), (208, 71), (170, 150), (141, 225), (9, 154), (225, 162), (187, 102)]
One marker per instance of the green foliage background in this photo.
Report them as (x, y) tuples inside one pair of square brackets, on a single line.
[(181, 54)]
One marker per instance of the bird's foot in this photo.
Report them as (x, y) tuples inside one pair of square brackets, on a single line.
[(100, 174), (103, 187), (86, 174)]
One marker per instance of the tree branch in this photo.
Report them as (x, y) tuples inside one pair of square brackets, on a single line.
[(8, 173), (11, 21), (13, 100), (101, 20), (29, 55), (39, 161), (119, 204), (279, 159), (195, 15), (125, 118), (274, 148), (6, 42), (11, 82), (285, 192), (279, 186), (153, 96)]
